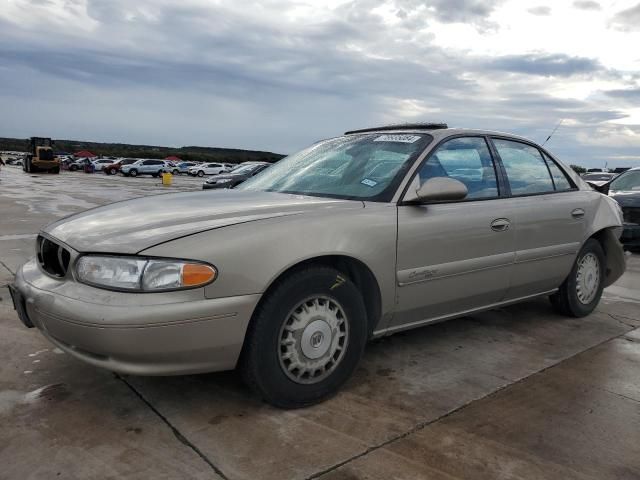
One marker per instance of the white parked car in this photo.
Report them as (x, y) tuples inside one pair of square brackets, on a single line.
[(208, 169), (103, 162)]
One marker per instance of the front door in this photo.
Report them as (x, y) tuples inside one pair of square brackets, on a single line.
[(454, 257)]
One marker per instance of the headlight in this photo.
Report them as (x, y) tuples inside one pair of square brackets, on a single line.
[(142, 274)]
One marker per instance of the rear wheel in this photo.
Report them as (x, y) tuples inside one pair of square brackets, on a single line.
[(580, 293), (306, 338)]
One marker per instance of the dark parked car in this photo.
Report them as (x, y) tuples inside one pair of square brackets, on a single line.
[(625, 189), (236, 176)]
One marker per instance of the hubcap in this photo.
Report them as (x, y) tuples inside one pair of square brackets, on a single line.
[(313, 340), (588, 278)]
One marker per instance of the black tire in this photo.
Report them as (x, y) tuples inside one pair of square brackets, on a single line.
[(175, 171), (260, 363), (55, 170), (566, 300), (73, 168), (133, 172), (111, 171), (200, 173)]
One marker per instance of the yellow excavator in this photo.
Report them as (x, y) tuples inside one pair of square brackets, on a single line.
[(40, 156)]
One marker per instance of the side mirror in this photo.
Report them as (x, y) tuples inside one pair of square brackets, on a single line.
[(437, 189)]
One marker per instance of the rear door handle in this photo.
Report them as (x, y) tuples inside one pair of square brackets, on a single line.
[(500, 225), (577, 213)]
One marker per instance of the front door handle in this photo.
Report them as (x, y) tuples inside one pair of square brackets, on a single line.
[(577, 213), (500, 225)]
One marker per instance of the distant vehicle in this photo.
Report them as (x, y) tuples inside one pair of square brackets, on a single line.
[(589, 170), (79, 164), (99, 165), (235, 177), (14, 161), (181, 167), (208, 169), (40, 156), (154, 168), (116, 166), (625, 189), (596, 179), (620, 169)]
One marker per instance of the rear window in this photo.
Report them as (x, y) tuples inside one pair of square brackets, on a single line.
[(526, 169)]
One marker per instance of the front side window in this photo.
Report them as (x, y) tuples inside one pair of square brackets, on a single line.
[(468, 160), (628, 181), (526, 169), (362, 166)]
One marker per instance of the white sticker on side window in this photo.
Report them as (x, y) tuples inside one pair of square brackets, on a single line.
[(397, 138), (368, 182)]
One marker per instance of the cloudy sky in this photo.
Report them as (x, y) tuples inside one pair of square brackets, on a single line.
[(278, 75)]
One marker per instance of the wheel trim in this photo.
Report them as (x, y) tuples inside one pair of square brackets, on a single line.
[(313, 340), (587, 278)]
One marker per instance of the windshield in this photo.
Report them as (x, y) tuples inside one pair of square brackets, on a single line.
[(627, 181), (367, 167)]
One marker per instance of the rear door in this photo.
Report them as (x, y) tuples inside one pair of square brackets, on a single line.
[(454, 256), (549, 215)]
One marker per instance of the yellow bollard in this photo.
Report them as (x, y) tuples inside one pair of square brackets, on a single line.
[(167, 178)]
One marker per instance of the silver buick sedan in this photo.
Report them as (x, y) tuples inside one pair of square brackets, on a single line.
[(287, 276)]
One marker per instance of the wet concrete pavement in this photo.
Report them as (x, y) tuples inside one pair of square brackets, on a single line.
[(519, 392)]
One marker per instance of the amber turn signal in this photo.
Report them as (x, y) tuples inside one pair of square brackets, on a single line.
[(194, 274)]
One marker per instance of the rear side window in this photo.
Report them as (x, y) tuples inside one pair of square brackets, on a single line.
[(526, 169), (560, 180), (468, 160)]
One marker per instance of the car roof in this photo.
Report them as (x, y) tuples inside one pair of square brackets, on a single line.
[(437, 130)]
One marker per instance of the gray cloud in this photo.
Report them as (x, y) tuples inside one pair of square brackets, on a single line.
[(558, 65), (627, 20), (587, 5), (211, 74), (540, 11)]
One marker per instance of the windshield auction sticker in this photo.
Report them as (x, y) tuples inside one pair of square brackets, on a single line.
[(397, 138)]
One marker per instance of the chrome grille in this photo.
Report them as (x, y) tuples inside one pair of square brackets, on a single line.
[(53, 258)]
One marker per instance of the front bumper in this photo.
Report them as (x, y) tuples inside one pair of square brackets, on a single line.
[(168, 333)]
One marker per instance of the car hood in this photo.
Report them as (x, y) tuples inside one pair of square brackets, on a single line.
[(135, 225)]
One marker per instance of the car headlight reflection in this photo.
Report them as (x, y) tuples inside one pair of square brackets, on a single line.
[(142, 274)]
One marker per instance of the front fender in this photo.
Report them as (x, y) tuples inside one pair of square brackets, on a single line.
[(251, 256)]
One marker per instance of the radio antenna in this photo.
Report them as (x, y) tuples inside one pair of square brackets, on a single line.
[(554, 131)]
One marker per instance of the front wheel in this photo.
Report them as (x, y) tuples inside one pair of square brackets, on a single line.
[(580, 293), (306, 338), (175, 171), (200, 173), (133, 172)]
